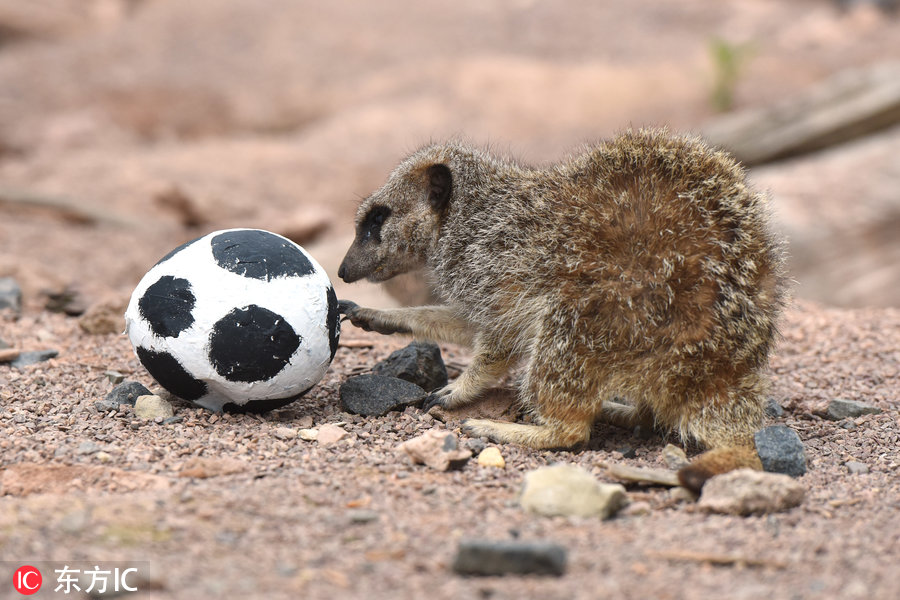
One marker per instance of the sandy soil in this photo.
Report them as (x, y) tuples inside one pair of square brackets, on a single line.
[(283, 114)]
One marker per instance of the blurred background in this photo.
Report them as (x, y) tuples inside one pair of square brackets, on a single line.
[(130, 126)]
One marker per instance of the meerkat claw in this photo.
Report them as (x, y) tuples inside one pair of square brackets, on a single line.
[(345, 307), (432, 400)]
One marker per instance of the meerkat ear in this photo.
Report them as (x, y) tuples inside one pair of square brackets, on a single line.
[(440, 184)]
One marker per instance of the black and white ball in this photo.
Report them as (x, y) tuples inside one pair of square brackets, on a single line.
[(241, 319)]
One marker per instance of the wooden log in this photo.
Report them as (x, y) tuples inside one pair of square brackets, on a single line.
[(848, 106)]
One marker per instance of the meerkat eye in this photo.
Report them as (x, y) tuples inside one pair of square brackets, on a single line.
[(370, 228)]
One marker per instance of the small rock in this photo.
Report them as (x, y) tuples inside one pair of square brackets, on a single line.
[(780, 450), (486, 557), (285, 433), (10, 294), (75, 522), (32, 358), (419, 363), (115, 377), (626, 452), (491, 457), (104, 318), (330, 434), (681, 494), (848, 425), (172, 420), (747, 492), (476, 445), (203, 467), (376, 395), (856, 468), (69, 301), (360, 516), (773, 408), (841, 409), (674, 457), (569, 490), (151, 407), (308, 435), (126, 393), (437, 449), (103, 457), (636, 509), (87, 448)]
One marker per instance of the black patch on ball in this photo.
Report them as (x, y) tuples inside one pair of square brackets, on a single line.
[(261, 406), (332, 321), (259, 255), (174, 252), (251, 344), (166, 369), (167, 306)]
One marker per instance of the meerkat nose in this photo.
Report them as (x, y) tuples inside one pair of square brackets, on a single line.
[(342, 271)]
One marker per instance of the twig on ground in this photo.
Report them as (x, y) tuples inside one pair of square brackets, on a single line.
[(642, 475), (726, 560), (68, 209)]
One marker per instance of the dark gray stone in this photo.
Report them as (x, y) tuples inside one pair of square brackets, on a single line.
[(124, 393), (32, 358), (10, 294), (626, 452), (842, 409), (476, 445), (69, 301), (419, 363), (773, 408), (376, 395), (485, 557), (780, 450)]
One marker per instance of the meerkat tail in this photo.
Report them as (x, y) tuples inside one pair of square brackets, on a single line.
[(716, 462)]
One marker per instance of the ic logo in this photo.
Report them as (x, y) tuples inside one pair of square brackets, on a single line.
[(27, 580)]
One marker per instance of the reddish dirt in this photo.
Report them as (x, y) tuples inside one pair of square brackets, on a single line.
[(281, 115)]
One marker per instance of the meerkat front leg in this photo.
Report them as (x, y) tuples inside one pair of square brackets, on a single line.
[(436, 323), (490, 362)]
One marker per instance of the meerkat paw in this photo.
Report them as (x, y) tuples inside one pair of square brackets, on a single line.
[(483, 428), (368, 319), (453, 395)]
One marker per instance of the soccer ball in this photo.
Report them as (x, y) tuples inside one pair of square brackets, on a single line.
[(240, 319)]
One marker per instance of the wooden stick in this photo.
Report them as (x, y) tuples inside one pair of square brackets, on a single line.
[(356, 344), (68, 209), (715, 559), (9, 355), (642, 475)]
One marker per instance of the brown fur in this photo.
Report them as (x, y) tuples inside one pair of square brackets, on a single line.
[(643, 268)]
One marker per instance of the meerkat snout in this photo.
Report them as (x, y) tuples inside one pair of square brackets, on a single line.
[(396, 226)]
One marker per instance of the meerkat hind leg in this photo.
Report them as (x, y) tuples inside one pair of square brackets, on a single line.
[(544, 436), (557, 396)]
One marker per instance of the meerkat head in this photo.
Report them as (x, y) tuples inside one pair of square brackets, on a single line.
[(398, 225)]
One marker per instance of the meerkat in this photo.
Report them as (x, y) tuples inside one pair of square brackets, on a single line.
[(637, 281)]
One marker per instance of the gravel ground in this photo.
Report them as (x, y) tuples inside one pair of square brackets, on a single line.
[(284, 113), (263, 513)]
